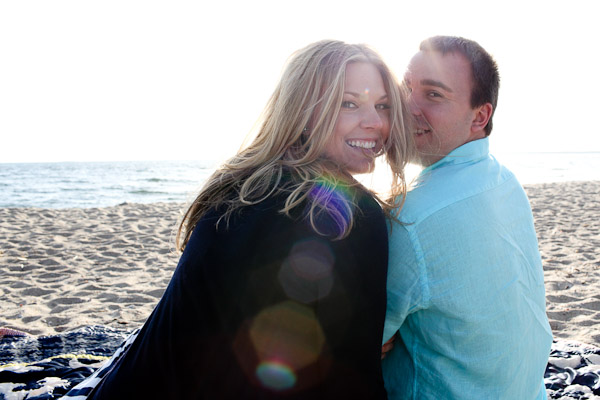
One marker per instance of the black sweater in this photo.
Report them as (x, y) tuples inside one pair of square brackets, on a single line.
[(265, 309)]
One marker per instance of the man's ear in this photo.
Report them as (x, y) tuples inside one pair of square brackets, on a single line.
[(482, 116)]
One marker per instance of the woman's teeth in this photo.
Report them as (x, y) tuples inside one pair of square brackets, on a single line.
[(362, 144)]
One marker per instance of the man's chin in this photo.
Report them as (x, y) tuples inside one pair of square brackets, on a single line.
[(420, 159)]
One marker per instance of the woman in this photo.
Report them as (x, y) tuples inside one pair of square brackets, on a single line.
[(280, 291)]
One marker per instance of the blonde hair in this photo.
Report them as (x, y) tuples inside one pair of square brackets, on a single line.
[(297, 123)]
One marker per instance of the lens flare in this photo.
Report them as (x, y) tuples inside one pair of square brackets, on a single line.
[(275, 375), (288, 332), (336, 200), (306, 274), (364, 96)]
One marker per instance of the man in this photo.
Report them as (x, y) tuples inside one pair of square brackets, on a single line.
[(465, 279)]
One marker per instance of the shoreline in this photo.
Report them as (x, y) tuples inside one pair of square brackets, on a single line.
[(63, 269)]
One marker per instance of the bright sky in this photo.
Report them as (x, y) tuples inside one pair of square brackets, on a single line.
[(111, 80)]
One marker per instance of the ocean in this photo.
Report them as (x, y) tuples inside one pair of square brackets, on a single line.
[(102, 184)]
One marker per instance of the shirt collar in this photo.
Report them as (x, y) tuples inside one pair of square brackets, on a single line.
[(467, 153)]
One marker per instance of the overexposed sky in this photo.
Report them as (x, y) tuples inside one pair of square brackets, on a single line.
[(157, 80)]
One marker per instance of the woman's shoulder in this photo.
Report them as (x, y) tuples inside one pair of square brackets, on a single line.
[(250, 221), (368, 201), (370, 217), (352, 204), (344, 209)]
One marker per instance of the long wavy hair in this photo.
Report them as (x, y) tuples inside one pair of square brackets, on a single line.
[(296, 125)]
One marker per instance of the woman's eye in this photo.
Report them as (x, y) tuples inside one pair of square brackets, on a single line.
[(348, 104), (382, 107)]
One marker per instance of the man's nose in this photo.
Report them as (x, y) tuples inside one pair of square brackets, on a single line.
[(413, 107)]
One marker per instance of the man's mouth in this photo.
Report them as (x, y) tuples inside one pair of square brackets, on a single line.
[(363, 144)]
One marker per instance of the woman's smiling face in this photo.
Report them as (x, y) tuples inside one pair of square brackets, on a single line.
[(363, 123)]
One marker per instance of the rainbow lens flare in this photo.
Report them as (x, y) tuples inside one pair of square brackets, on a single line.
[(275, 375)]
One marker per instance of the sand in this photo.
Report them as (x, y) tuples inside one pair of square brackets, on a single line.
[(567, 221), (64, 269)]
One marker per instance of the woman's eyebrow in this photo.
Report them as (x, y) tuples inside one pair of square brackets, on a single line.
[(360, 94)]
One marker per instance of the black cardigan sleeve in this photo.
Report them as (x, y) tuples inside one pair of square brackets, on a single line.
[(265, 308)]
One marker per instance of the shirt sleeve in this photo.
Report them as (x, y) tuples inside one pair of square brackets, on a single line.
[(406, 280)]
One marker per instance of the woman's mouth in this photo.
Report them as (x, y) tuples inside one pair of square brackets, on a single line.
[(363, 144)]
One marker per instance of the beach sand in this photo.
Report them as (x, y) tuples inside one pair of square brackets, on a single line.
[(64, 269), (567, 221)]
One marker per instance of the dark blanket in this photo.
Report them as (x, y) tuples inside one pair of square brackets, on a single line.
[(573, 371), (44, 368), (41, 368)]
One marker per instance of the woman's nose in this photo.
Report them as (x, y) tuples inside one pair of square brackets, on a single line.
[(372, 119)]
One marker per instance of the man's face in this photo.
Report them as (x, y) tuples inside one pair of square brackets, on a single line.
[(440, 94)]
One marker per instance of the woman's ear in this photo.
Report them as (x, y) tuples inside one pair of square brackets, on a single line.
[(304, 136)]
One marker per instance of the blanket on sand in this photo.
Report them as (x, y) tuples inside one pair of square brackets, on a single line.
[(47, 367)]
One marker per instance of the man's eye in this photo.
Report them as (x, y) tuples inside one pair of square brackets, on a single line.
[(433, 94), (348, 104), (382, 106)]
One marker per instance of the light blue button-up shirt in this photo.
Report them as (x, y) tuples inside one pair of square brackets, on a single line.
[(466, 286)]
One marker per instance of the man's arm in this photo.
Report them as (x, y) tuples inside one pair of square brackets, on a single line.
[(406, 281)]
